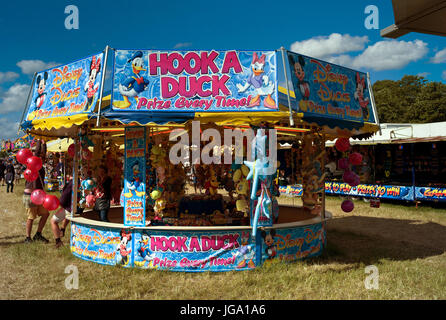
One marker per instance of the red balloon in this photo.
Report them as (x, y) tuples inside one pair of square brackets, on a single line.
[(23, 155), (342, 144), (71, 150), (51, 202), (347, 206), (355, 158), (343, 163), (30, 175), (38, 196), (34, 163)]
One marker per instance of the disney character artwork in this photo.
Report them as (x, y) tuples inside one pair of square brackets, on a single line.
[(90, 87), (359, 96), (268, 239), (41, 94), (299, 71), (261, 83), (143, 249), (134, 84), (124, 253)]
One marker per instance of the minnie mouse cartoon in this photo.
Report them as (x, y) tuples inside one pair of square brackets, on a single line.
[(298, 66), (41, 85), (269, 241), (125, 238), (359, 95), (90, 85)]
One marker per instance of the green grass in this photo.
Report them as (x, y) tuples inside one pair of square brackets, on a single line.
[(405, 243)]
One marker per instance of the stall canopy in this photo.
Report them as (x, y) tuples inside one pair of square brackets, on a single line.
[(398, 133), (424, 16), (152, 87)]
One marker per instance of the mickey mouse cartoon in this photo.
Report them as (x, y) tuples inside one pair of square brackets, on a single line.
[(41, 85), (298, 67), (269, 241)]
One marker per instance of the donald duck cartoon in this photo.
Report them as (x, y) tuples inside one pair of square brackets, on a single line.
[(135, 183), (260, 82), (133, 85)]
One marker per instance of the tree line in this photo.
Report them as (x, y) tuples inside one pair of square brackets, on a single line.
[(412, 99)]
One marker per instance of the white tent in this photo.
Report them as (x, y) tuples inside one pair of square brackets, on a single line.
[(403, 133)]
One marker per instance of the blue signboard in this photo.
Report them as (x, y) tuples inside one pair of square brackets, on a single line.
[(328, 91), (430, 193), (290, 244), (102, 245), (195, 251), (134, 195), (66, 90), (194, 81), (371, 191)]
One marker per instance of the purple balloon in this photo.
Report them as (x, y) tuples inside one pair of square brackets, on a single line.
[(343, 163), (348, 176), (355, 182), (347, 206)]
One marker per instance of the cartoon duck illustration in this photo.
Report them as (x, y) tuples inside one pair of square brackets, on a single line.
[(245, 253), (143, 249), (134, 84), (135, 183), (260, 82)]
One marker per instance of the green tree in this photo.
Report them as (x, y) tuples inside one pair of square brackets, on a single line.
[(410, 100)]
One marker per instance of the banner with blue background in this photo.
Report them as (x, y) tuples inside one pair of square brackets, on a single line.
[(184, 82), (66, 90), (327, 92), (134, 193)]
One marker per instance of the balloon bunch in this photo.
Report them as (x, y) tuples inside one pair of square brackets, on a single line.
[(350, 177), (33, 164)]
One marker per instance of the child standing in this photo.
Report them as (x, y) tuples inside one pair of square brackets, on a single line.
[(9, 178)]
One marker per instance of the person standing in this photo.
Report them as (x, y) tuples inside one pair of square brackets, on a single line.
[(33, 210), (60, 215), (9, 177), (103, 193)]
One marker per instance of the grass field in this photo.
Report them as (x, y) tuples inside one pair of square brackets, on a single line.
[(406, 244)]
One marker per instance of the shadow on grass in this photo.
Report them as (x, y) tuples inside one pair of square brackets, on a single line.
[(369, 239)]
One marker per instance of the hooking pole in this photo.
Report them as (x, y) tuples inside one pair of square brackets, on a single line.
[(287, 86), (104, 70)]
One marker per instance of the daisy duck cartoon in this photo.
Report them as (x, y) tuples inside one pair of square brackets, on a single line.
[(359, 96), (245, 253), (260, 83), (90, 86), (134, 84)]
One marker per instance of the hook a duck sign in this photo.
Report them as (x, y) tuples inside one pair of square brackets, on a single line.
[(195, 81), (66, 90)]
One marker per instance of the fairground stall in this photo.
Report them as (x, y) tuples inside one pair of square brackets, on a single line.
[(401, 162), (189, 139)]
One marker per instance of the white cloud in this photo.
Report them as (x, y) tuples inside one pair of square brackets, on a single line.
[(423, 74), (182, 45), (334, 44), (439, 57), (31, 66), (382, 55), (8, 76), (390, 54), (9, 128), (14, 99)]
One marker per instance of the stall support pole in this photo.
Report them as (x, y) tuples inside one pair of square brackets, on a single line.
[(75, 177), (372, 97), (323, 190), (104, 70), (287, 86)]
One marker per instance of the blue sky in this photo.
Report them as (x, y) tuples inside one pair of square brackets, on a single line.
[(34, 37)]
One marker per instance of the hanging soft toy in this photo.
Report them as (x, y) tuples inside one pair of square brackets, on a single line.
[(212, 183), (159, 205)]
